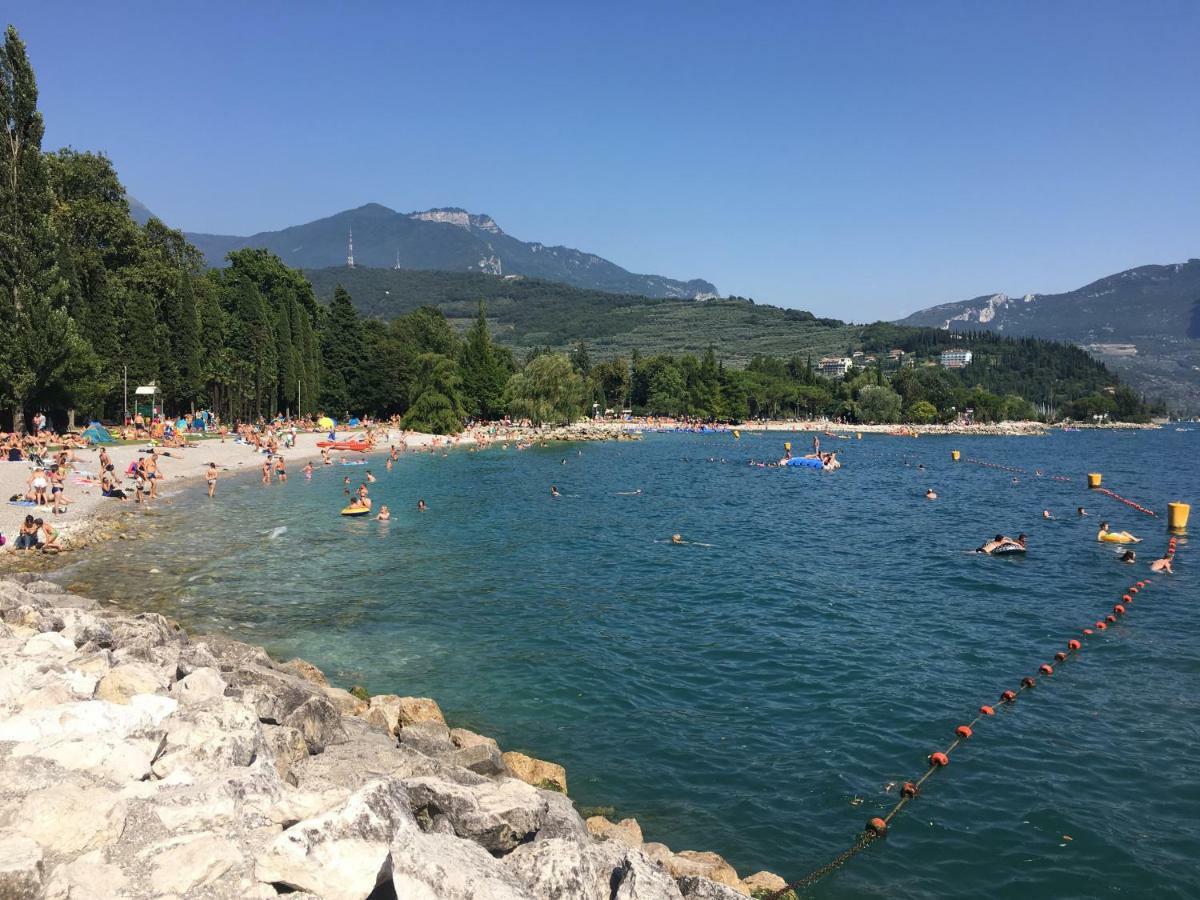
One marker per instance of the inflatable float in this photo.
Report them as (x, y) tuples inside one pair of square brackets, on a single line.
[(356, 511), (803, 462), (360, 446), (1118, 537), (1008, 550)]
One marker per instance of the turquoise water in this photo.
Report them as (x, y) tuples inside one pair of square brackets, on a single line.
[(755, 692)]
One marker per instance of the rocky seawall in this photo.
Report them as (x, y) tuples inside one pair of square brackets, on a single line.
[(138, 761)]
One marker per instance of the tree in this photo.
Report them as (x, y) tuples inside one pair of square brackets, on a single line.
[(878, 404), (922, 412), (485, 371), (612, 376), (436, 405), (342, 353), (32, 288), (548, 390)]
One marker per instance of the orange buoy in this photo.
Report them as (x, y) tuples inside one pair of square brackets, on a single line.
[(909, 790), (1119, 609), (1126, 598), (878, 827), (1060, 656), (1100, 626), (1027, 682), (987, 710), (1073, 644), (963, 731), (1046, 669), (1008, 696), (1087, 631), (939, 759), (1110, 618)]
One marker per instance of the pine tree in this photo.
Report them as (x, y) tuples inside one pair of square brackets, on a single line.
[(32, 289), (342, 351), (485, 371)]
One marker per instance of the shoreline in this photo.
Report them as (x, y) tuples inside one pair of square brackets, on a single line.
[(143, 760)]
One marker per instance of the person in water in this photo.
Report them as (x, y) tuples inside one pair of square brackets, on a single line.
[(554, 491), (1162, 565), (990, 547), (308, 470), (930, 494), (210, 476), (280, 470), (384, 515), (677, 539), (370, 478), (1129, 557), (266, 479), (421, 507), (1046, 514), (1123, 537), (1081, 512)]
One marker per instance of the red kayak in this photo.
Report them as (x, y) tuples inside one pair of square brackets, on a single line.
[(360, 446)]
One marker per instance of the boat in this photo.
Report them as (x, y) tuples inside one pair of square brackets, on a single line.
[(358, 446)]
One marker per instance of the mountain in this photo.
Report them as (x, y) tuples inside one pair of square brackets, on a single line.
[(525, 313), (450, 239), (1144, 323), (138, 211)]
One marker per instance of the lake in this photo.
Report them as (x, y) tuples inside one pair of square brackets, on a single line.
[(757, 690)]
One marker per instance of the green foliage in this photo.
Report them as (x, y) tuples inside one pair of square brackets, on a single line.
[(548, 391), (486, 369), (436, 404), (922, 412), (877, 403)]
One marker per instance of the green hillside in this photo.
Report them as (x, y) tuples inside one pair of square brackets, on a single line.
[(528, 313)]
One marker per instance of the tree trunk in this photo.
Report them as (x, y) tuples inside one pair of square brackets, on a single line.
[(19, 416), (70, 420)]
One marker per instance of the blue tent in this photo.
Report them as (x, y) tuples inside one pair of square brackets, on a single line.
[(353, 422), (97, 434)]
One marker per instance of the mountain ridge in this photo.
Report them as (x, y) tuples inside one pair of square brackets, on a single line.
[(448, 239), (1144, 322)]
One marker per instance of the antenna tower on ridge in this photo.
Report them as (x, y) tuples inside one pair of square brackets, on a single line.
[(350, 251), (397, 265)]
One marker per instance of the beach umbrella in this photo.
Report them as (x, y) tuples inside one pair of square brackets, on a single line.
[(324, 422)]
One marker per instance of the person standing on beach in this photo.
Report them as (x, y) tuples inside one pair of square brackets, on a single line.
[(280, 470), (210, 476)]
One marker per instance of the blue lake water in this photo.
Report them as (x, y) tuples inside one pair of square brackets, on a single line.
[(756, 691)]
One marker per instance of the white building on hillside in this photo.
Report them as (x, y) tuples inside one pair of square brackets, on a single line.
[(955, 359), (834, 366)]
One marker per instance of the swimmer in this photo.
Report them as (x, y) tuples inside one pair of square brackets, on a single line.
[(325, 460), (1123, 537), (989, 546), (677, 539), (210, 475), (564, 462), (370, 477), (1162, 565), (930, 494), (1129, 557), (421, 507), (388, 465), (1081, 512), (554, 491), (384, 515), (1046, 514), (308, 470)]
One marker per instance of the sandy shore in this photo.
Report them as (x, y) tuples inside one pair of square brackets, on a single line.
[(180, 468)]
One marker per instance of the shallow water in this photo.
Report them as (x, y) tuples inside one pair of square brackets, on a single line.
[(756, 691)]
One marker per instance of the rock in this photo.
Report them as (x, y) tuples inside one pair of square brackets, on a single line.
[(273, 694), (497, 814), (48, 644), (208, 737), (430, 738), (441, 867), (626, 832), (538, 772), (200, 685), (94, 663), (84, 878), (763, 881), (641, 879), (660, 853), (694, 887), (693, 863), (285, 746), (21, 868), (88, 717), (122, 683), (112, 757), (69, 819), (247, 797), (342, 854), (319, 722), (480, 758), (462, 738), (383, 712), (305, 670), (419, 709), (195, 656), (137, 635), (560, 869), (562, 819), (347, 704), (192, 862), (96, 633)]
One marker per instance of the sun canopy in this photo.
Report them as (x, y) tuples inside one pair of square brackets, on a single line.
[(97, 434), (324, 422)]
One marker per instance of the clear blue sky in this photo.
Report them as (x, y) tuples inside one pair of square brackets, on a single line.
[(861, 160)]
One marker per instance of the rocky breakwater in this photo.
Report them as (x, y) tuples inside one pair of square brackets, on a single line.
[(139, 762)]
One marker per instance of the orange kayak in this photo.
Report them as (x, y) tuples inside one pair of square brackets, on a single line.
[(360, 446)]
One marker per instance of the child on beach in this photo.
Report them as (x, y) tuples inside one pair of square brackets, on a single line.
[(210, 476)]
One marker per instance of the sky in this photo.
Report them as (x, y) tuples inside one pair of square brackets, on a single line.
[(860, 160)]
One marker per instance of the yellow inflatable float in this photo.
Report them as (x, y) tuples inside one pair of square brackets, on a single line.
[(356, 511), (1115, 537)]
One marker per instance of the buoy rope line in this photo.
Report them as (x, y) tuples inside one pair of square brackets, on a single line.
[(877, 827), (1106, 492), (1016, 469)]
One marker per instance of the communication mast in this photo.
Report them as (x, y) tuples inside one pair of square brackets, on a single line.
[(350, 251)]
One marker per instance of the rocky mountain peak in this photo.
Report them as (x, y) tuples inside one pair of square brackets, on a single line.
[(453, 215)]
